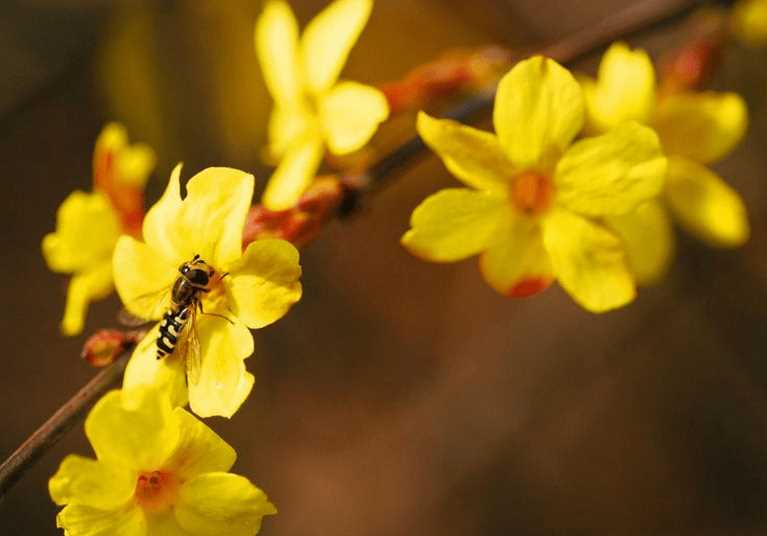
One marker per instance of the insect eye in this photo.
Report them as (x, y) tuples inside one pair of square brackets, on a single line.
[(198, 277), (183, 268)]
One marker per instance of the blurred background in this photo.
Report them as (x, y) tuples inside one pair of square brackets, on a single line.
[(398, 397)]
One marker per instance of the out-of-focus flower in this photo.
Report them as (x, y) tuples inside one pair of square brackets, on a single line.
[(749, 21), (88, 224), (532, 211), (695, 129), (312, 109), (157, 471), (250, 288)]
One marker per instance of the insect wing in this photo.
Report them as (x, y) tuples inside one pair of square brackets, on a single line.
[(156, 303), (189, 349)]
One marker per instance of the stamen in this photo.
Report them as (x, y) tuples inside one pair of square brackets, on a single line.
[(531, 192), (156, 490)]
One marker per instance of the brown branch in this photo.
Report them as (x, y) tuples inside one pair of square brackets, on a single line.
[(642, 16)]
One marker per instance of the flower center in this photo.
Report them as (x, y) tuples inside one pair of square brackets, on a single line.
[(531, 192), (156, 490)]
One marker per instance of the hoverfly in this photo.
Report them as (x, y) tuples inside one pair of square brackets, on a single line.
[(178, 328)]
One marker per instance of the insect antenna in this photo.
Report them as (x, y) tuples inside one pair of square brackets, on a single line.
[(219, 316), (202, 311)]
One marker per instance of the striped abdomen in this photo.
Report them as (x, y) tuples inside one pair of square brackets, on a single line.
[(173, 323)]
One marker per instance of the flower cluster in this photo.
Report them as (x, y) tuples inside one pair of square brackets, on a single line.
[(88, 224), (158, 470), (313, 111), (537, 199), (575, 185), (592, 215), (254, 288)]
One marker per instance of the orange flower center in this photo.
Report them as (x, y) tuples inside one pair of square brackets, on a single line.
[(156, 490), (531, 192)]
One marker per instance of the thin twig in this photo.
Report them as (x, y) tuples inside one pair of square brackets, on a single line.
[(642, 16)]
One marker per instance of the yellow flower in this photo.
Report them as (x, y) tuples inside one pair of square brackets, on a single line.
[(157, 471), (532, 219), (312, 109), (749, 21), (695, 129), (251, 289), (88, 224)]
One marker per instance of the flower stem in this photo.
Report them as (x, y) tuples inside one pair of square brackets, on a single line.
[(641, 16)]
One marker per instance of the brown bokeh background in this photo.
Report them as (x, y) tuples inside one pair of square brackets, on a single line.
[(397, 397)]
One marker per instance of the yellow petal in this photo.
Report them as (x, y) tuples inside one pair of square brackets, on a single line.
[(135, 164), (289, 125), (515, 263), (648, 237), (209, 220), (264, 283), (701, 126), (475, 157), (749, 21), (538, 111), (222, 504), (144, 370), (453, 224), (143, 278), (85, 287), (224, 384), (164, 524), (276, 41), (705, 205), (199, 449), (589, 261), (79, 520), (294, 175), (613, 173), (350, 114), (113, 138), (215, 208), (136, 433), (624, 90), (87, 228), (91, 483), (329, 38)]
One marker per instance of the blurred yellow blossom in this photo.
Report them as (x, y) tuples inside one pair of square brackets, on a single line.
[(312, 109), (535, 196), (88, 224), (157, 470), (252, 289), (749, 21), (695, 129)]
